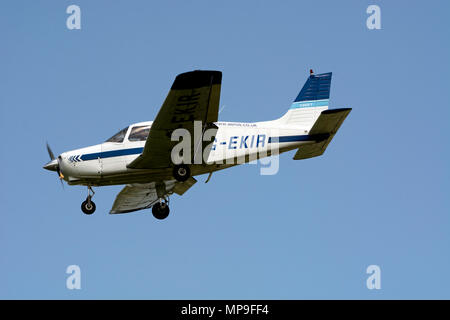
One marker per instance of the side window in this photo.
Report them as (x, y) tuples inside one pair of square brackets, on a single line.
[(139, 133), (119, 136)]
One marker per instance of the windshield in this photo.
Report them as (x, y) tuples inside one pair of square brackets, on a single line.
[(139, 133), (119, 136)]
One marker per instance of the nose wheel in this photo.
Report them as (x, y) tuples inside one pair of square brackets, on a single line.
[(161, 210), (88, 206)]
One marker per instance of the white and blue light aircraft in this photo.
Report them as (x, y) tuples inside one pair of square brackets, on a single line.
[(140, 156)]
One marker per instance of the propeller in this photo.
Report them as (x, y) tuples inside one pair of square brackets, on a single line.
[(53, 165)]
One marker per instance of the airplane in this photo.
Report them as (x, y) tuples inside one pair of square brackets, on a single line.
[(141, 156)]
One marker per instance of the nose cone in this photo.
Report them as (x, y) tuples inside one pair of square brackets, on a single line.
[(51, 165)]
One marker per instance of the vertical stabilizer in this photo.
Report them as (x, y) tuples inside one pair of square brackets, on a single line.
[(310, 102)]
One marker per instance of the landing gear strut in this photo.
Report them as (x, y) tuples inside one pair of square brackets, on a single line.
[(88, 206), (161, 209), (181, 172)]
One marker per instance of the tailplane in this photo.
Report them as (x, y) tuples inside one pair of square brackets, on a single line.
[(322, 133)]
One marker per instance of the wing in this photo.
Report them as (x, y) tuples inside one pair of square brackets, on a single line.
[(135, 197), (194, 96)]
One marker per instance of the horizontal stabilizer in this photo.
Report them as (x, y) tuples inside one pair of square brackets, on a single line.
[(324, 129), (182, 187), (329, 121)]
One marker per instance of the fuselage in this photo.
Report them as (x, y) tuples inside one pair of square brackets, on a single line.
[(235, 143)]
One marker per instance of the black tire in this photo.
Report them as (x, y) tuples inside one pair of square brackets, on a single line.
[(88, 208), (181, 172), (159, 211)]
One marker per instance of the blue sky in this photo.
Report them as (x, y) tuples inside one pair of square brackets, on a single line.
[(379, 195)]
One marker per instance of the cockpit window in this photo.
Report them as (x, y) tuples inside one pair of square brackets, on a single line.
[(119, 136), (139, 133)]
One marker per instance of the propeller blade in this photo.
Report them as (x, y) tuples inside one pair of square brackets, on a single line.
[(54, 167), (50, 152)]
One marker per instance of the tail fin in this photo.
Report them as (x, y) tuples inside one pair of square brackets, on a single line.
[(310, 102)]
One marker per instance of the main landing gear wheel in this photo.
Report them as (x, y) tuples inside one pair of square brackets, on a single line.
[(160, 210), (181, 172), (88, 206)]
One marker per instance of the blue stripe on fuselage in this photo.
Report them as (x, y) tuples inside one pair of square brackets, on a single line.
[(289, 139), (109, 154), (127, 152)]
